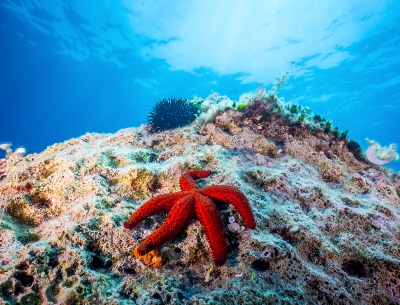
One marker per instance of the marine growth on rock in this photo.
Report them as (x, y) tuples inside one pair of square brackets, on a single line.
[(327, 219)]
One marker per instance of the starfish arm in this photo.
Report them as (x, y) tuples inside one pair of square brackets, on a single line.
[(177, 218), (231, 195), (187, 182), (157, 204), (208, 215)]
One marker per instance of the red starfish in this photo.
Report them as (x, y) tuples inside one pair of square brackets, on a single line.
[(192, 201)]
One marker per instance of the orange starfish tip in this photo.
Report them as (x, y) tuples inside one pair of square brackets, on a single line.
[(153, 258)]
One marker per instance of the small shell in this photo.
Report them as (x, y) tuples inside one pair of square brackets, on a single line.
[(234, 227)]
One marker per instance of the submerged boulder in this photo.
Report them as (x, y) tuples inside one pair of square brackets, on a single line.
[(327, 221)]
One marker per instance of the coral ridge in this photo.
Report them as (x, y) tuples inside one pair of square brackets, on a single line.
[(327, 218)]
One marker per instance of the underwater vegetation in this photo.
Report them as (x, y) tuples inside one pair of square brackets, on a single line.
[(172, 113)]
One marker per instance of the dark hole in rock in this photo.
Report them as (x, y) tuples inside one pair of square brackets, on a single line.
[(23, 265), (53, 256), (147, 223), (18, 288), (100, 262), (221, 206), (25, 278), (59, 277), (53, 261), (36, 287), (354, 268), (68, 283), (178, 250), (96, 263), (71, 270), (92, 246), (180, 295), (261, 265), (157, 296), (80, 289)]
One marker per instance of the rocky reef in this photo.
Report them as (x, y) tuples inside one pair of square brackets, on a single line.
[(328, 221)]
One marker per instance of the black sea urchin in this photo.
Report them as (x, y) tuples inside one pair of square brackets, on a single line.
[(171, 113)]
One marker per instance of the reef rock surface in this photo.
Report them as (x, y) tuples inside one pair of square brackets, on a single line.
[(328, 222)]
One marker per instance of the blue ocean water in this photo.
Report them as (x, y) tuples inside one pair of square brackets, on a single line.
[(71, 67)]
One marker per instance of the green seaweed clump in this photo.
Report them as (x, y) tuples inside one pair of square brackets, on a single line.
[(241, 107), (336, 132), (343, 134), (263, 118), (356, 149), (328, 127), (293, 109), (318, 119)]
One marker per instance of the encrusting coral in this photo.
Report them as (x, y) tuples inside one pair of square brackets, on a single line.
[(192, 201)]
